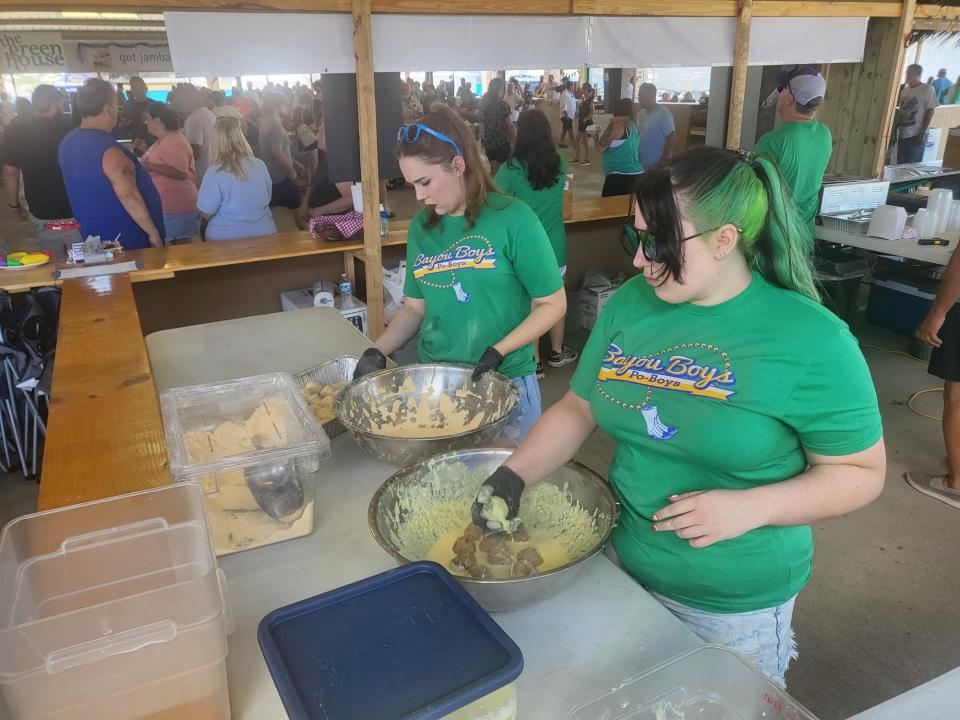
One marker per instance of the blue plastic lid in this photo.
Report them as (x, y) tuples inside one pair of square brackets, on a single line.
[(408, 644)]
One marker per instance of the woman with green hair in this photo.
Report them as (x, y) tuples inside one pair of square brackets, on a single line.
[(741, 408)]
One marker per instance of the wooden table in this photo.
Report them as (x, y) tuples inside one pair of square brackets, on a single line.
[(105, 434), (936, 254)]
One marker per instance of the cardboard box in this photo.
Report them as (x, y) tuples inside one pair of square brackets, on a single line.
[(591, 305), (300, 299)]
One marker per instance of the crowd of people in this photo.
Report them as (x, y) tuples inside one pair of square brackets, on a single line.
[(144, 173)]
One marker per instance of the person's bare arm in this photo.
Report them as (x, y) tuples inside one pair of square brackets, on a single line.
[(197, 150), (554, 440), (921, 137), (511, 131), (547, 311), (11, 183), (120, 171), (285, 162), (668, 145), (404, 326), (606, 137), (947, 297), (166, 170), (831, 486), (342, 204)]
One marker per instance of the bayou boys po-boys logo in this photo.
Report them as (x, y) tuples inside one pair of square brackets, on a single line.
[(669, 370), (472, 252)]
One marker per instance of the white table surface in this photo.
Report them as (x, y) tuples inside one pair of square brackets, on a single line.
[(595, 634), (936, 254)]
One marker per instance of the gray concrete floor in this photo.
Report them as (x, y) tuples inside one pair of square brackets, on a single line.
[(879, 615)]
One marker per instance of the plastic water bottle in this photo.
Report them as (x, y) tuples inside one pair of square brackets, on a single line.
[(346, 291), (384, 221)]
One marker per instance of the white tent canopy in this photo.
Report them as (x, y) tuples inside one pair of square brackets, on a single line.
[(220, 43)]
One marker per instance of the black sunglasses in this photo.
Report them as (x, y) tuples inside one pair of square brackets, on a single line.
[(633, 238)]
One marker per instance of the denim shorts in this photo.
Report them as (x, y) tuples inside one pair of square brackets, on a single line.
[(181, 225), (764, 637), (527, 412)]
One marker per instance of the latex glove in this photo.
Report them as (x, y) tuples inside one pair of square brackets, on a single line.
[(707, 517), (490, 360), (498, 501), (371, 361)]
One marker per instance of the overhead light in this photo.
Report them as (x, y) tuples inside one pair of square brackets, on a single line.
[(119, 16)]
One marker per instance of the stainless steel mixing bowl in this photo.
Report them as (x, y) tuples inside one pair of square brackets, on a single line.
[(360, 408), (509, 594)]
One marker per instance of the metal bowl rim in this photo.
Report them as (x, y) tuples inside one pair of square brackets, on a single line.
[(604, 489), (514, 393)]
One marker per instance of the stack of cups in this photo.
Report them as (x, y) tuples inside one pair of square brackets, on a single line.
[(923, 223), (940, 206), (953, 226)]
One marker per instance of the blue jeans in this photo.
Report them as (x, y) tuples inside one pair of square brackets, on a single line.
[(909, 150), (181, 225), (526, 413)]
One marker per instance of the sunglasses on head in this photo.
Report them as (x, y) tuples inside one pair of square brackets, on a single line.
[(633, 238), (411, 134)]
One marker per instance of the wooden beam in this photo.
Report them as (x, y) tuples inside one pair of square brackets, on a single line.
[(738, 84), (937, 12), (903, 37), (792, 8), (941, 25), (652, 8), (369, 164)]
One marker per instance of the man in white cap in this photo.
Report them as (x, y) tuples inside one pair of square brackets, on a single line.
[(801, 145)]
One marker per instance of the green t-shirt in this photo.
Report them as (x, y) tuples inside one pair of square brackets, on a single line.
[(546, 203), (721, 397), (478, 283), (802, 150)]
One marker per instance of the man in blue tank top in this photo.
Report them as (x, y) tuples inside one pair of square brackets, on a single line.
[(111, 194)]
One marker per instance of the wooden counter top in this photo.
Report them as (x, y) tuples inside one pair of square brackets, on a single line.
[(104, 432), (163, 263)]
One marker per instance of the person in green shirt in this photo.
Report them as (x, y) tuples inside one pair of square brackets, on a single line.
[(742, 409), (801, 145), (482, 282), (619, 144), (536, 173)]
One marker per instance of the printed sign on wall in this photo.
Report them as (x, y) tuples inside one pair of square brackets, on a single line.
[(32, 52)]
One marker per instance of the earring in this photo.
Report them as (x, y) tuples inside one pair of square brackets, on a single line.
[(720, 256)]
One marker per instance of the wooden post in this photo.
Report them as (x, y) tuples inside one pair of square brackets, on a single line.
[(903, 36), (738, 85), (369, 166)]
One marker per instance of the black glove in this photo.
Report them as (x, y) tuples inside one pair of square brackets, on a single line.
[(371, 361), (490, 360), (506, 485)]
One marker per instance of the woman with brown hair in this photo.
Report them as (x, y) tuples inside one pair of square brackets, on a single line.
[(499, 132), (482, 281)]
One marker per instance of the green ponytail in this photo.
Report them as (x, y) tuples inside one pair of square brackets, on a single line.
[(716, 187)]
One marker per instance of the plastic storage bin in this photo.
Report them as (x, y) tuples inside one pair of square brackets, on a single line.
[(114, 610), (254, 447), (709, 683), (332, 372), (409, 643)]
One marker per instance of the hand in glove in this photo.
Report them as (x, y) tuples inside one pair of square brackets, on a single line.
[(371, 361), (490, 360), (498, 501)]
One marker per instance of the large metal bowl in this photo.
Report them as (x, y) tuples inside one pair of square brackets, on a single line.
[(588, 488), (360, 409)]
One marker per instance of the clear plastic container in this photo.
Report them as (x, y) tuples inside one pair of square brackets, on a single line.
[(332, 372), (254, 447), (711, 682), (114, 610)]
